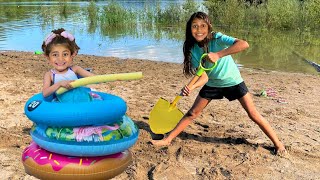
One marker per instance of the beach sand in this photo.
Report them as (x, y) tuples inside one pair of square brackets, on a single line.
[(223, 143)]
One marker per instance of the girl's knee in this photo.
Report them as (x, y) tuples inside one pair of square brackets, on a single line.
[(193, 114)]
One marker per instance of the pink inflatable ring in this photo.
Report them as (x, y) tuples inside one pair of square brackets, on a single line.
[(46, 165)]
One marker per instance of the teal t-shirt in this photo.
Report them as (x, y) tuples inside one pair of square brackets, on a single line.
[(226, 73)]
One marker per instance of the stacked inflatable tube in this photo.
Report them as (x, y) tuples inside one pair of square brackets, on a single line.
[(43, 111), (46, 165), (85, 140), (113, 138)]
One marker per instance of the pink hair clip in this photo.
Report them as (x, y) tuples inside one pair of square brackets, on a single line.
[(67, 35), (49, 38), (52, 35)]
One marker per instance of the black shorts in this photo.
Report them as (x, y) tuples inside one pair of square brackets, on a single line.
[(231, 93)]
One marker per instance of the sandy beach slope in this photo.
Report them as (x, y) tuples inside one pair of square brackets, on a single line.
[(221, 144)]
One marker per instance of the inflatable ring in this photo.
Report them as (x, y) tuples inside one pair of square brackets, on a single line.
[(87, 141), (102, 78), (42, 111), (46, 165)]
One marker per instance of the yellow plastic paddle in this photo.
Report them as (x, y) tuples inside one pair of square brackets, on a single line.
[(165, 115)]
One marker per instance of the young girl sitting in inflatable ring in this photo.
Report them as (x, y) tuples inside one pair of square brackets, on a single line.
[(60, 48)]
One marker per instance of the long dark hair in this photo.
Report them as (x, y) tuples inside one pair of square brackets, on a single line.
[(190, 41)]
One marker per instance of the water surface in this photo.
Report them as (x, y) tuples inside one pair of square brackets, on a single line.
[(23, 25)]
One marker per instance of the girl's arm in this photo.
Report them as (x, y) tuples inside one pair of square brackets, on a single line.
[(203, 79), (49, 89), (82, 72), (238, 46)]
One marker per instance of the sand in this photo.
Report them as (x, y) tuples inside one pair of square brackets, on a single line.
[(223, 143)]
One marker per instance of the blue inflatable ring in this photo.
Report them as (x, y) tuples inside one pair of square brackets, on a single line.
[(43, 111), (87, 141)]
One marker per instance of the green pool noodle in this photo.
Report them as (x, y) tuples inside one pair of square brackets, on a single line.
[(101, 79)]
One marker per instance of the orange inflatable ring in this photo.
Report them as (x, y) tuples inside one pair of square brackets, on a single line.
[(46, 165)]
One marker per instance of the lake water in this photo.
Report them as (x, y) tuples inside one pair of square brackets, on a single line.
[(23, 25)]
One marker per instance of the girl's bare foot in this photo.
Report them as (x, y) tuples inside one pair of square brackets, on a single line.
[(281, 151), (163, 142)]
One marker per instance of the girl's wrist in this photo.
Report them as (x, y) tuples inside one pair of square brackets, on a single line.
[(191, 88)]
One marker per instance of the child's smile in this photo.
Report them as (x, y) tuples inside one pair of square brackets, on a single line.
[(60, 64)]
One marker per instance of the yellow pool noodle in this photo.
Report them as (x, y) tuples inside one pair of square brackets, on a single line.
[(101, 79)]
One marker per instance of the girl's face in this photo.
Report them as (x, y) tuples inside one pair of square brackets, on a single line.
[(60, 58), (199, 29)]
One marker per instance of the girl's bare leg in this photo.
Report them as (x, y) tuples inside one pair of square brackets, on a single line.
[(247, 103), (194, 112)]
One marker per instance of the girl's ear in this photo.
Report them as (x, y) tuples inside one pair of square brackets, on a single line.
[(46, 56), (74, 54)]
